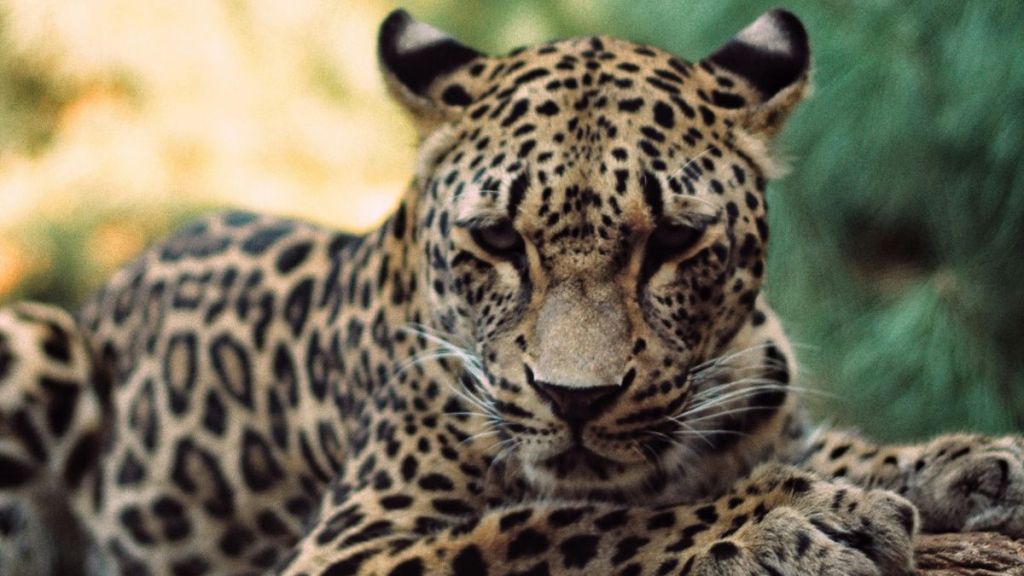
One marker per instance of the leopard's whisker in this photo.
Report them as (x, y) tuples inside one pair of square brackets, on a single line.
[(724, 413), (706, 404), (730, 356), (484, 434)]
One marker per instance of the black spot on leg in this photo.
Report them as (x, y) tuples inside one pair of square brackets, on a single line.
[(578, 551), (565, 517), (627, 548), (612, 520), (661, 520), (707, 514), (513, 519), (527, 544), (469, 562)]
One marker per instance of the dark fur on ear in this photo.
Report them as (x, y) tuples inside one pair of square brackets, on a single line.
[(770, 54), (417, 53), (415, 58), (772, 57)]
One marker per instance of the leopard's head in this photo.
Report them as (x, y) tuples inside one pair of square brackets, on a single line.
[(591, 221)]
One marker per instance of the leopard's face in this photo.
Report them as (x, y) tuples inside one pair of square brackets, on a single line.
[(593, 235)]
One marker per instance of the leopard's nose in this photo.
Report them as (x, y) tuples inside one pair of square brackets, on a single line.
[(578, 404)]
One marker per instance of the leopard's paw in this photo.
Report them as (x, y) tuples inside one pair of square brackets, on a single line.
[(813, 526), (967, 482)]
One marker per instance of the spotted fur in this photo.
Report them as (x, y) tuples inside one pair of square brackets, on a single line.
[(554, 357)]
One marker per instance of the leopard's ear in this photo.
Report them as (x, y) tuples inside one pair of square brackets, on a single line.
[(771, 58), (424, 68)]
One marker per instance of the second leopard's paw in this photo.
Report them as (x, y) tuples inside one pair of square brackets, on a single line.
[(968, 482)]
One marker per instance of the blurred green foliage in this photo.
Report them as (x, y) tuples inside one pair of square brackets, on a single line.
[(74, 252), (31, 97), (897, 237)]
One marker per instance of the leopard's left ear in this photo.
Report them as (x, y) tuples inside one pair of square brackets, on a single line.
[(424, 68), (772, 60)]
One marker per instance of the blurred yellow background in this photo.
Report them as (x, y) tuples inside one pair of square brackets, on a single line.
[(164, 106)]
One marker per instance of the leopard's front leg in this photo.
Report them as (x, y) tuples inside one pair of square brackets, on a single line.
[(959, 482), (779, 521)]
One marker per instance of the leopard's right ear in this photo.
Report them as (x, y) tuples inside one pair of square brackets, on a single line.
[(424, 69)]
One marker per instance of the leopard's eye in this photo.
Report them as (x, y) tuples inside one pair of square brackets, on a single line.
[(671, 239), (499, 238)]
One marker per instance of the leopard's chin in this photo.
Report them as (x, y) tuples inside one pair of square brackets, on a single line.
[(579, 460), (581, 473)]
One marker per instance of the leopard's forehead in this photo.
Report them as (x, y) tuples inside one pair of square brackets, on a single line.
[(587, 143), (598, 65)]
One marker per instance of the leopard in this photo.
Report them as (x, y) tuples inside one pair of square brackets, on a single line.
[(554, 357)]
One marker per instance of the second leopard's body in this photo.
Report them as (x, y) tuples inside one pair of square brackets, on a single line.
[(553, 358)]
